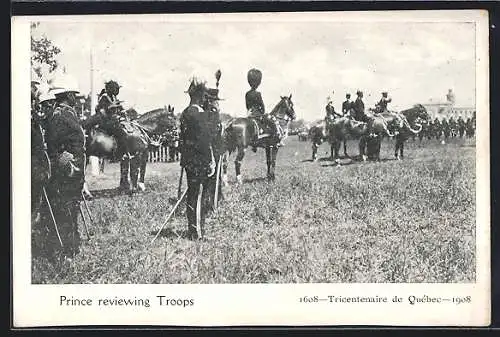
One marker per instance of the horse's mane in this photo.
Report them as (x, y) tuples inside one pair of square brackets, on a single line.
[(150, 115), (276, 107)]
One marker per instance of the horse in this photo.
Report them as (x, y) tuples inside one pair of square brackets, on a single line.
[(318, 134), (242, 132), (344, 128), (415, 116), (136, 136)]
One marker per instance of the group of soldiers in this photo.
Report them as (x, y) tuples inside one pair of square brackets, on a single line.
[(62, 137), (449, 128), (356, 109), (60, 134)]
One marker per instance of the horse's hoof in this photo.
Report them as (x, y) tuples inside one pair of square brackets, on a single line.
[(363, 158), (141, 186), (224, 180), (239, 179)]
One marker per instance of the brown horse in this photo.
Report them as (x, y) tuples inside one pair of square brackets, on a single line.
[(240, 133), (137, 141)]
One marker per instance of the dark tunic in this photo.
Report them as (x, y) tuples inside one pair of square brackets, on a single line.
[(359, 109), (346, 106), (382, 104), (64, 133), (254, 103), (195, 140)]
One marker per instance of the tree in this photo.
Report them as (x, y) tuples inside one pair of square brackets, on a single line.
[(43, 52)]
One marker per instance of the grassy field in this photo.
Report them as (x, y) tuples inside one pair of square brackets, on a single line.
[(393, 221)]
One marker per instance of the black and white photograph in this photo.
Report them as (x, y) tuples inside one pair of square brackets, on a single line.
[(319, 149)]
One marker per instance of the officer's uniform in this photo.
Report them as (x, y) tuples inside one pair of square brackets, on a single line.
[(382, 104), (215, 133), (255, 104), (346, 106), (359, 109), (66, 149), (197, 158)]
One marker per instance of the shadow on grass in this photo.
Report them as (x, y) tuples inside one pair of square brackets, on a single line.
[(107, 193), (357, 161), (256, 180), (169, 232)]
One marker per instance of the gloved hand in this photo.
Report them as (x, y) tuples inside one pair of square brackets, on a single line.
[(65, 162)]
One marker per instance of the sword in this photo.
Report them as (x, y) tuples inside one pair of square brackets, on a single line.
[(169, 216), (87, 208), (84, 223), (180, 184), (52, 215), (217, 182)]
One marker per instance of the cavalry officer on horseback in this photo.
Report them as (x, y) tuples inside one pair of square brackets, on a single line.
[(197, 156), (331, 114), (66, 149), (359, 107), (255, 105), (347, 104), (381, 106)]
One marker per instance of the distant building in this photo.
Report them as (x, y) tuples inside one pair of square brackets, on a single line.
[(446, 109)]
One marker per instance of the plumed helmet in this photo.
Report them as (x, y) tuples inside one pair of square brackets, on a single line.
[(254, 78), (384, 93), (196, 87), (112, 86), (46, 96), (359, 93), (348, 95)]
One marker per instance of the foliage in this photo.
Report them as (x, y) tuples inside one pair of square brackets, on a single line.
[(43, 52)]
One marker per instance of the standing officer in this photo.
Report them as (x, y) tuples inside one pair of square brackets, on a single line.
[(212, 109), (66, 149), (197, 156), (347, 104)]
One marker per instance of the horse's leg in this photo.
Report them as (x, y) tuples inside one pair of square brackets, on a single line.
[(336, 146), (314, 151), (379, 146), (142, 171), (135, 163), (225, 157), (274, 154), (124, 169), (362, 147), (345, 148), (237, 164), (401, 149), (396, 148), (268, 162)]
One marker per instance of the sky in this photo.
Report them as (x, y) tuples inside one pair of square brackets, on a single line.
[(154, 61)]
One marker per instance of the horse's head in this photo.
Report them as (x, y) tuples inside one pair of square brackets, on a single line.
[(284, 109)]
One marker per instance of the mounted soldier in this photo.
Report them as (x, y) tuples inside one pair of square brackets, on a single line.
[(381, 106), (66, 149), (331, 114), (359, 107), (197, 156), (256, 109), (347, 105)]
